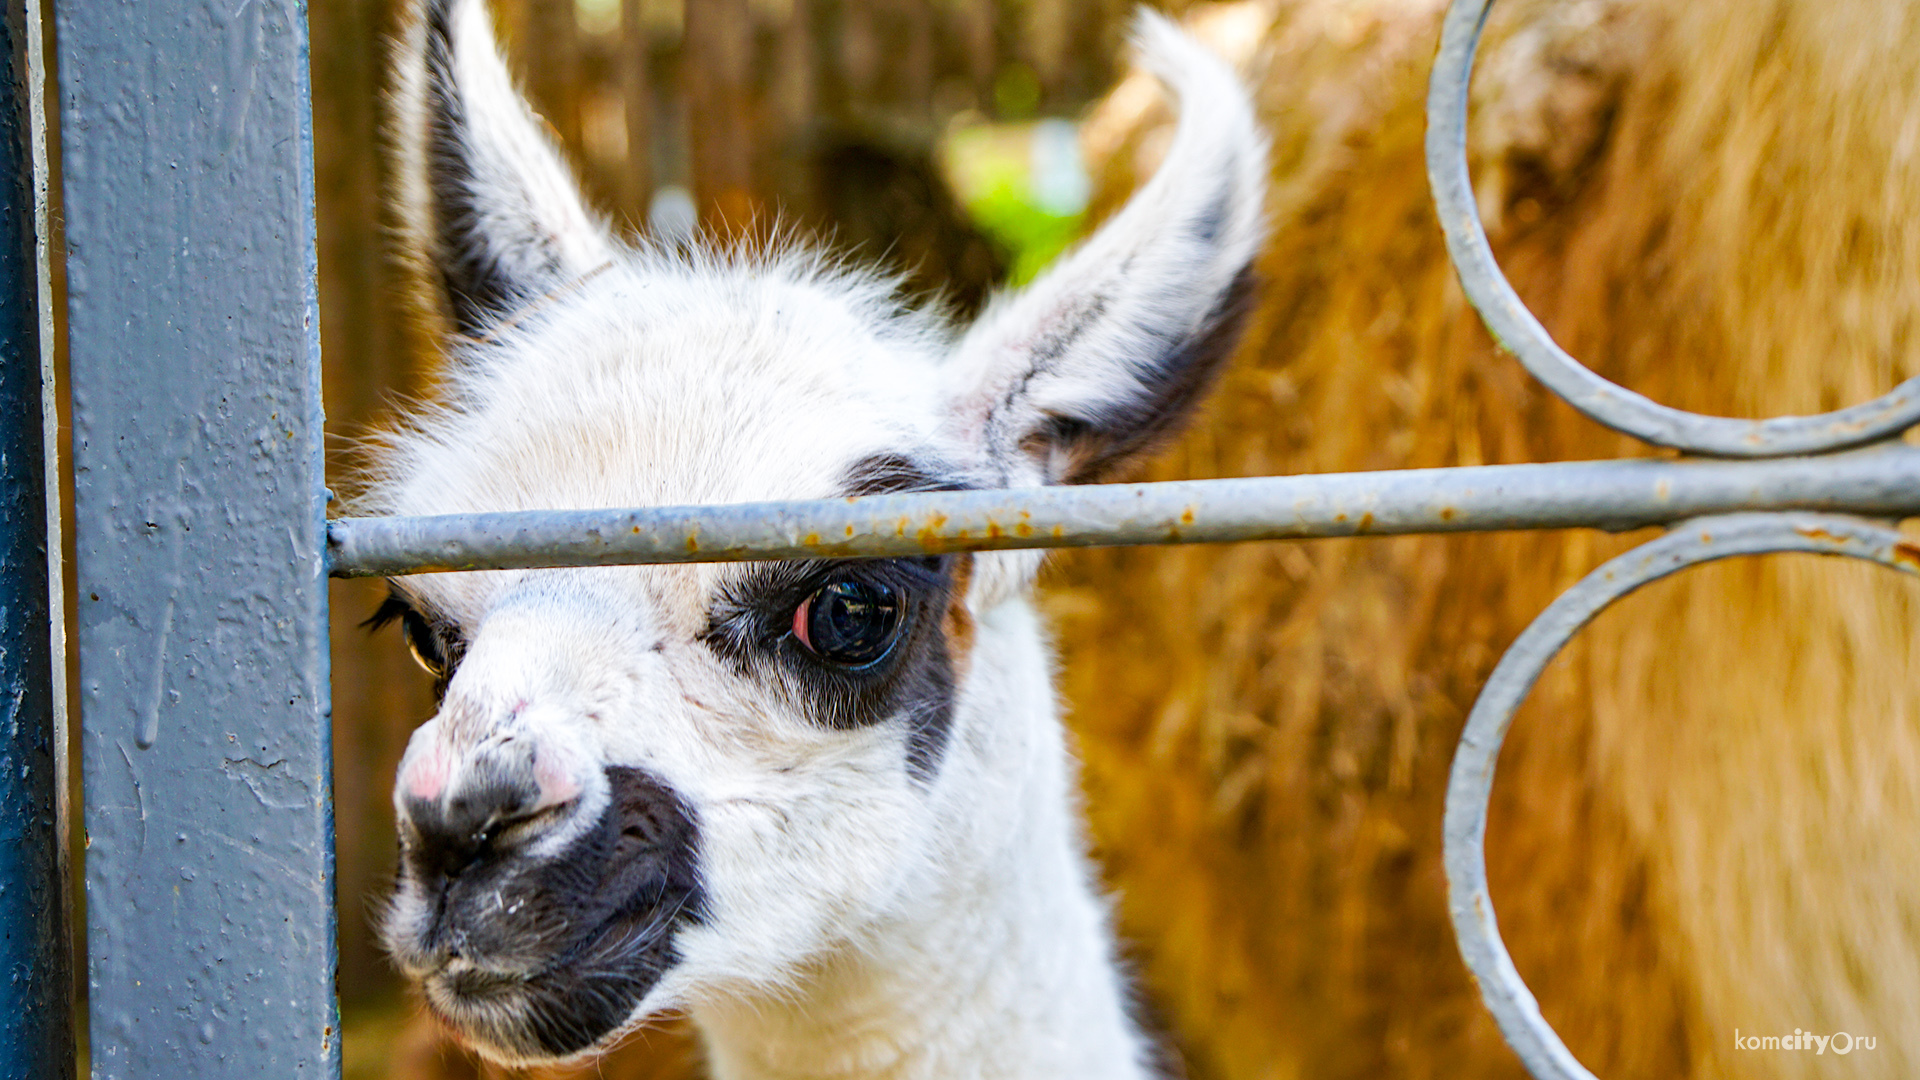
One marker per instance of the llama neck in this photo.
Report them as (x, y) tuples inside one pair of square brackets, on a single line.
[(1002, 967), (983, 993)]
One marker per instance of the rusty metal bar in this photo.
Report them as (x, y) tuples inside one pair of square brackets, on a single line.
[(1881, 482)]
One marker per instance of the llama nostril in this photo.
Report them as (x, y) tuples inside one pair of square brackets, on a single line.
[(425, 775), (447, 837), (556, 782), (468, 805)]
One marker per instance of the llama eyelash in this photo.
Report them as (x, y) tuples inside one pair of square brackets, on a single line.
[(435, 642)]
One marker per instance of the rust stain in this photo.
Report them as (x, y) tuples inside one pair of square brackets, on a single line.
[(849, 532), (993, 530), (1340, 518), (1366, 522), (1186, 516), (930, 535), (1059, 530), (1023, 529), (1817, 533), (1446, 513), (693, 542), (900, 527), (1907, 554), (636, 530), (812, 540)]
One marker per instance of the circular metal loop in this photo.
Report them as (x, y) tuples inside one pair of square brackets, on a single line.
[(1470, 787), (1508, 319)]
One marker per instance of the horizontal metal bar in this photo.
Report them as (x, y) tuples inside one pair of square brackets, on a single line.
[(1882, 481)]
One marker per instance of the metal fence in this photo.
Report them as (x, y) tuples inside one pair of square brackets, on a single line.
[(203, 551)]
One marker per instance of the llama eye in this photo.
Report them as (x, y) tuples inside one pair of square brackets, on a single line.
[(424, 644), (849, 623), (430, 649)]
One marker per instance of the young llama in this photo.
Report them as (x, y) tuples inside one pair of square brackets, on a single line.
[(824, 808)]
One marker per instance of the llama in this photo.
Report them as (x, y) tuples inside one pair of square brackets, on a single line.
[(825, 808)]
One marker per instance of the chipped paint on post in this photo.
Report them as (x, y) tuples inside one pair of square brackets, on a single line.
[(36, 1024), (199, 538)]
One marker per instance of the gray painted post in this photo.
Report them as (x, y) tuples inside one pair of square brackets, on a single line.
[(187, 149), (36, 1025)]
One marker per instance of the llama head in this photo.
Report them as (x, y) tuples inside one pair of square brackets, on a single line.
[(651, 787)]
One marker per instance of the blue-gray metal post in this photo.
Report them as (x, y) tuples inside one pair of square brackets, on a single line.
[(187, 153), (36, 1026)]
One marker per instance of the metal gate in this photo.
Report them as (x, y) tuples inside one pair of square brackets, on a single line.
[(203, 548)]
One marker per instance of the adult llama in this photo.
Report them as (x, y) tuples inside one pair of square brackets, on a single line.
[(824, 808), (1708, 818)]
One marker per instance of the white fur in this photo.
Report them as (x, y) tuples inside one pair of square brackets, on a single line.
[(864, 922)]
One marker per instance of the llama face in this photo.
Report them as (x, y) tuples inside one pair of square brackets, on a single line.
[(649, 787)]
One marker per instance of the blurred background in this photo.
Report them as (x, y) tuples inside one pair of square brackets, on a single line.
[(1708, 816)]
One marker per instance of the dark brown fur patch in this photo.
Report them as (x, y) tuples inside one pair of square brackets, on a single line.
[(749, 626)]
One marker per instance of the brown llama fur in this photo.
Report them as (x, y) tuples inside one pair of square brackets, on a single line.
[(1708, 818)]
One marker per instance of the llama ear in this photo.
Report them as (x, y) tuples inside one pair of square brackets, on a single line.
[(1110, 351), (491, 214)]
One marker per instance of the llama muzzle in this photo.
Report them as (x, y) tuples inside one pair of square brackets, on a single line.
[(533, 949)]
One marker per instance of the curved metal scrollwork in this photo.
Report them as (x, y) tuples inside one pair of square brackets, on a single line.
[(1516, 328), (1471, 784), (1687, 544)]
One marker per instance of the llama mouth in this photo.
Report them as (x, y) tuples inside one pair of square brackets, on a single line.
[(572, 1003), (630, 881)]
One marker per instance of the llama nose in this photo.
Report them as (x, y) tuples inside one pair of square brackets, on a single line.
[(499, 797)]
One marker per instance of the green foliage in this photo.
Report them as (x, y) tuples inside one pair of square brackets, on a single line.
[(990, 166), (1033, 236)]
